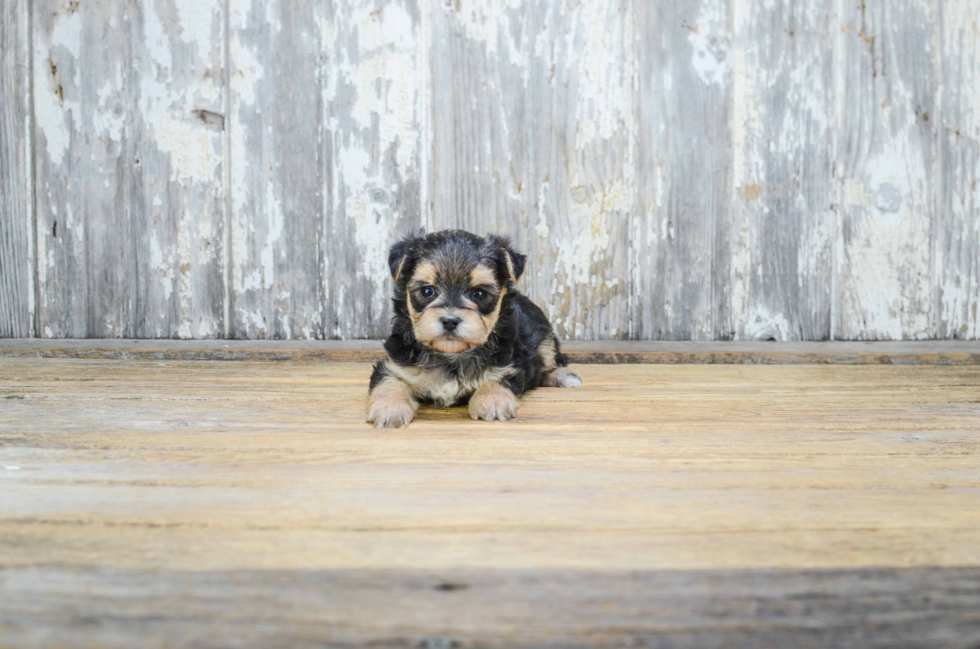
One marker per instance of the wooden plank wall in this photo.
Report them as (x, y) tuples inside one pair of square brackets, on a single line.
[(705, 170), (16, 206)]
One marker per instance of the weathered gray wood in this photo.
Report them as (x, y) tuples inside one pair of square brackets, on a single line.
[(16, 207), (905, 352), (886, 157), (579, 139), (276, 169), (176, 192), (713, 169), (883, 607), (479, 61), (84, 95), (683, 212), (957, 257), (373, 96), (129, 194), (784, 192)]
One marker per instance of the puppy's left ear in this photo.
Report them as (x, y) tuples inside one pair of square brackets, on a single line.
[(514, 261)]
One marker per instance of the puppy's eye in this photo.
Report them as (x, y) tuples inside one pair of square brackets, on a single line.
[(479, 294), (427, 292)]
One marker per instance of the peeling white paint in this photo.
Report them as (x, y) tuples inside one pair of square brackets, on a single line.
[(163, 263), (375, 83), (578, 259), (196, 22), (373, 96), (53, 114), (166, 104), (883, 261), (371, 230), (710, 40), (484, 21), (274, 230), (761, 324), (383, 74), (604, 103)]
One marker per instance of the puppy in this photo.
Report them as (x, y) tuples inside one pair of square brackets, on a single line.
[(461, 332)]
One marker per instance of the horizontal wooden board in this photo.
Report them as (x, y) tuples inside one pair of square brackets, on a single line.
[(65, 607), (189, 466), (840, 353)]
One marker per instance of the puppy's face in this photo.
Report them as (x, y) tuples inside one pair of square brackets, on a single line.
[(454, 287)]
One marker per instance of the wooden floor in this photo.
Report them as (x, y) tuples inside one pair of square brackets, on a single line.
[(214, 504)]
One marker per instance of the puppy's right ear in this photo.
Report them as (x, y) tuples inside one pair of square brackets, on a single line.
[(397, 257)]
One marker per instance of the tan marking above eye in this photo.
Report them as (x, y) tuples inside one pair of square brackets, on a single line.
[(482, 276), (425, 273)]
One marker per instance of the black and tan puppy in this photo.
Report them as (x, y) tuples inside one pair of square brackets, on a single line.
[(461, 332)]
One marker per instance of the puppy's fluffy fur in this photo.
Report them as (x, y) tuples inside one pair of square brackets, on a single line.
[(461, 332)]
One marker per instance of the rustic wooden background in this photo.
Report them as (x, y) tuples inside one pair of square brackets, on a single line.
[(705, 169)]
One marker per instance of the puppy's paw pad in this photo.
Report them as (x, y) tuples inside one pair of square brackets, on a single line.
[(497, 406), (390, 415), (562, 377)]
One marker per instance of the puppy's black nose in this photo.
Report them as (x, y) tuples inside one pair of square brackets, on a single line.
[(450, 322)]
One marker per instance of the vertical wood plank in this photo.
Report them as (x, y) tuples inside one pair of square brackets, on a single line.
[(958, 226), (886, 155), (784, 199), (176, 187), (84, 91), (683, 218), (579, 134), (479, 86), (373, 100), (277, 182), (127, 100), (16, 202)]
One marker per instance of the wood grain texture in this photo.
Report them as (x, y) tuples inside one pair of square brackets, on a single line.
[(85, 91), (176, 184), (127, 104), (16, 188), (784, 191), (192, 467), (277, 170), (373, 93), (65, 607), (683, 212), (942, 352), (957, 256), (886, 155), (706, 170), (174, 501), (479, 86), (580, 138)]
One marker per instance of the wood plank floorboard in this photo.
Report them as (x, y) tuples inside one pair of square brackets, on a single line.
[(161, 503)]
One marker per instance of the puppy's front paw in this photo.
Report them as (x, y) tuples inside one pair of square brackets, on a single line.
[(493, 402), (390, 415), (562, 377), (391, 405)]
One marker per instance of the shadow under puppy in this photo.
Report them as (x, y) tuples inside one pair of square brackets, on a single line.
[(461, 332)]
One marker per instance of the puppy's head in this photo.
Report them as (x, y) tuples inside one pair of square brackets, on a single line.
[(451, 286)]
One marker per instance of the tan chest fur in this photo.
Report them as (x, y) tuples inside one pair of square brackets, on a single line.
[(434, 385)]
